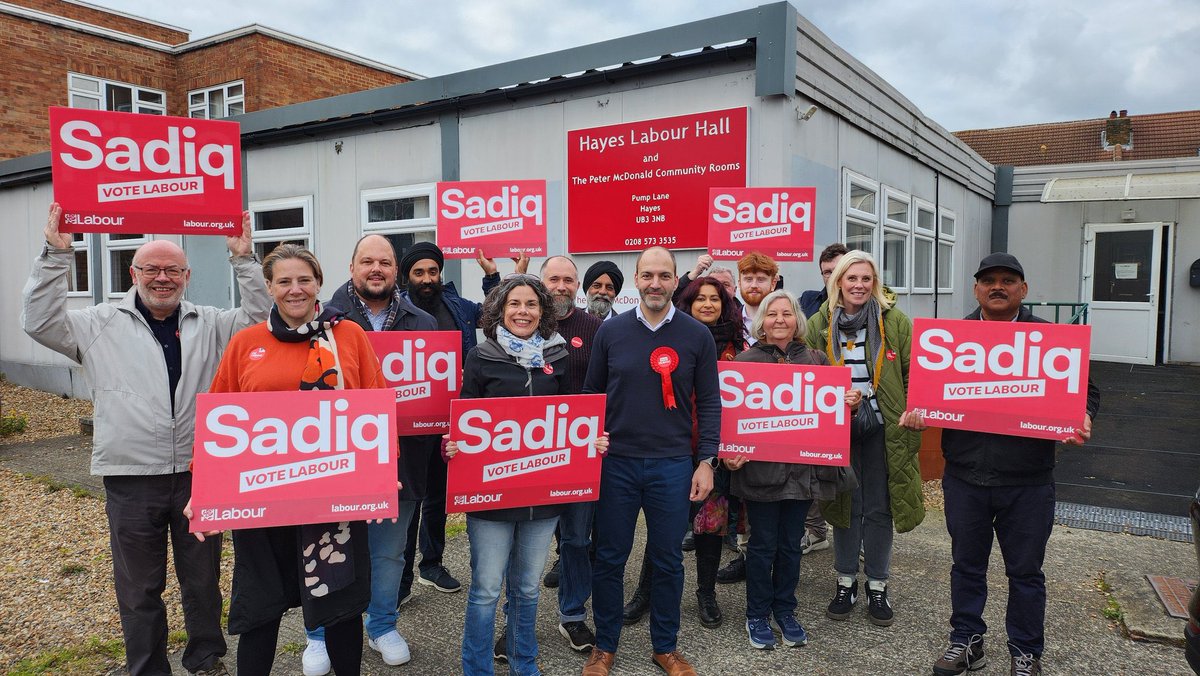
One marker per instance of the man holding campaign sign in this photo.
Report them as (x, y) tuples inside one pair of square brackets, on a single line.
[(145, 357), (999, 473), (790, 411), (501, 457), (286, 465)]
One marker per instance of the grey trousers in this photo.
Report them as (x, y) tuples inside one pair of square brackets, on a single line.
[(870, 514)]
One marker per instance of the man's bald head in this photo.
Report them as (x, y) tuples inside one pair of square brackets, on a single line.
[(160, 274)]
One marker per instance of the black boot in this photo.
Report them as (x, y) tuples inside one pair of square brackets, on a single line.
[(734, 571), (708, 558), (639, 605)]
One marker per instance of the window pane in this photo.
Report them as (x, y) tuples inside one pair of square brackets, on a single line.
[(923, 263), (403, 242), (84, 102), (860, 236), (945, 266), (925, 220), (149, 111), (264, 248), (401, 209), (118, 269), (947, 225), (235, 90), (118, 236), (894, 274), (85, 84), (197, 99), (280, 219), (216, 104), (78, 278), (237, 108), (146, 96), (897, 210), (120, 99), (197, 113), (862, 198)]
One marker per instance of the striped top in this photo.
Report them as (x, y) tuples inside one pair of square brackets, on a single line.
[(854, 352)]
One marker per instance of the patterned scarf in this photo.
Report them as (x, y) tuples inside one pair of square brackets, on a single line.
[(328, 556), (527, 351), (841, 322), (393, 307)]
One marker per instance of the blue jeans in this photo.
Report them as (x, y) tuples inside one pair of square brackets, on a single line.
[(871, 527), (1022, 518), (575, 580), (660, 488), (386, 541), (773, 556), (512, 553)]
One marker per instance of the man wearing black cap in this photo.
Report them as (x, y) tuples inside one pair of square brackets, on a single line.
[(602, 283), (421, 270), (1005, 484)]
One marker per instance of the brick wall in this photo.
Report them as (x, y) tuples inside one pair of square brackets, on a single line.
[(101, 18), (36, 59)]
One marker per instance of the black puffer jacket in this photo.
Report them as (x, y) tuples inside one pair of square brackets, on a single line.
[(763, 481), (490, 372)]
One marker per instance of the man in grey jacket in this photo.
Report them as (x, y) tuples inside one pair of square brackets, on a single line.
[(145, 358)]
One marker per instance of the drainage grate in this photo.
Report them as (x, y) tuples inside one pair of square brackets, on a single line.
[(1166, 526)]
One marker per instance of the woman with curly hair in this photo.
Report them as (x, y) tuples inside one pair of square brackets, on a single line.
[(523, 356)]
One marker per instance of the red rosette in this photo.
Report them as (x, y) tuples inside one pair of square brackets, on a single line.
[(663, 361)]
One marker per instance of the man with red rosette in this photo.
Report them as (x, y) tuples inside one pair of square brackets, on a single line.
[(653, 363), (1005, 484)]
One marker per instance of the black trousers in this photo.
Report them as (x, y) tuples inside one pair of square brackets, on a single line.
[(428, 526), (142, 510)]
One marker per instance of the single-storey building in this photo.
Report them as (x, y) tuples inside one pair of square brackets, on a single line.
[(888, 179)]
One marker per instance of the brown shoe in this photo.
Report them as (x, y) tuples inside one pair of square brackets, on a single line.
[(674, 664), (599, 663)]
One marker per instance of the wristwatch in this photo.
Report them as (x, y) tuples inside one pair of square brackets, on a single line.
[(711, 462)]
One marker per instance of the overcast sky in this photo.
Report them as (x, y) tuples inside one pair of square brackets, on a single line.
[(968, 64)]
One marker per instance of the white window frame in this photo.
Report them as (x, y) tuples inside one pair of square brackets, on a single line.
[(920, 205), (100, 97), (945, 239), (851, 179), (202, 107), (84, 244), (932, 263), (413, 225), (925, 235), (896, 227), (110, 246), (304, 232)]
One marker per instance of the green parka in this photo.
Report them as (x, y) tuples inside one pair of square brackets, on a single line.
[(900, 444)]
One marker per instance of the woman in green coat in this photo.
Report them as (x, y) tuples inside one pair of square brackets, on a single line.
[(859, 327)]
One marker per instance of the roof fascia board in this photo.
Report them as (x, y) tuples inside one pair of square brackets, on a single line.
[(1122, 167), (35, 15), (28, 169), (764, 24), (135, 17), (296, 40)]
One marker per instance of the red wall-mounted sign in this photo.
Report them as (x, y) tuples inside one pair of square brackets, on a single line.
[(639, 184)]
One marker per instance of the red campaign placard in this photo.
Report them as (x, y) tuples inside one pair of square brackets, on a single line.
[(500, 217), (424, 368), (132, 173), (524, 451), (639, 184), (283, 458), (785, 412), (777, 222), (1017, 378)]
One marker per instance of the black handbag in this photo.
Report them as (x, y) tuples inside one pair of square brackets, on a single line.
[(865, 423)]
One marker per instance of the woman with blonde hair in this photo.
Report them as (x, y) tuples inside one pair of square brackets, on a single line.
[(860, 327)]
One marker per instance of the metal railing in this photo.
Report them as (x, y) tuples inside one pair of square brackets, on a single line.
[(1079, 311)]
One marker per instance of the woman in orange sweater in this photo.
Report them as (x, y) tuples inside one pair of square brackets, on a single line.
[(300, 346)]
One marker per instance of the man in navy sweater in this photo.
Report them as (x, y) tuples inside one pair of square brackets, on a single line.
[(659, 370)]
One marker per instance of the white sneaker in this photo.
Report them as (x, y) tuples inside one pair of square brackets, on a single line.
[(810, 543), (392, 647), (315, 659)]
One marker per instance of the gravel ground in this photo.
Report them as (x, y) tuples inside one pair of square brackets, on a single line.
[(56, 588)]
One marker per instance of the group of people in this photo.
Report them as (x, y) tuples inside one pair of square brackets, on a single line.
[(657, 364)]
